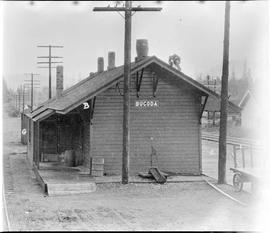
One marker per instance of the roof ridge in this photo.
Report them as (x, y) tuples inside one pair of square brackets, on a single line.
[(73, 95)]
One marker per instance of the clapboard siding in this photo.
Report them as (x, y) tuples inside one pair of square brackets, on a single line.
[(172, 128)]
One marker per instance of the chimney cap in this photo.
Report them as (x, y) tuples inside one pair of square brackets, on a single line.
[(141, 49)]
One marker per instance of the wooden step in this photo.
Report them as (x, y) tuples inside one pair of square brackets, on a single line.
[(70, 188), (62, 193)]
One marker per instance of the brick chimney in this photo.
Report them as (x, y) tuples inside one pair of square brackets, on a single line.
[(59, 81), (111, 60), (100, 64), (142, 49)]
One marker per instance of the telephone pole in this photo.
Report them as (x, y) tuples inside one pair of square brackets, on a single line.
[(24, 94), (19, 98), (128, 9), (49, 62), (224, 99), (32, 87)]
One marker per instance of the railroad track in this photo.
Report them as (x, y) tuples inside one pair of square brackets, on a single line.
[(234, 141)]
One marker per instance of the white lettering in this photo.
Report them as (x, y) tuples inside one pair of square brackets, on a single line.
[(85, 105), (24, 131), (146, 103)]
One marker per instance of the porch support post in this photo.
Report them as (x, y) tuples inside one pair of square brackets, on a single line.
[(234, 156), (36, 142), (58, 134), (243, 156)]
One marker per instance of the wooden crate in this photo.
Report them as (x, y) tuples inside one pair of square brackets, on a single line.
[(97, 166)]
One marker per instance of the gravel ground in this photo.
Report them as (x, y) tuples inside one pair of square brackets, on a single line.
[(180, 206)]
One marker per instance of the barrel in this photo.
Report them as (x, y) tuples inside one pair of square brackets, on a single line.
[(142, 48), (69, 158), (97, 166)]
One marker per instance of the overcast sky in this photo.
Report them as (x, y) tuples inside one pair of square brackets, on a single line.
[(192, 30)]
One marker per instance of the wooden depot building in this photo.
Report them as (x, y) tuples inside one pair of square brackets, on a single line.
[(166, 107)]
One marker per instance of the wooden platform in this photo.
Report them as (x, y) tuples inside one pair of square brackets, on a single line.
[(138, 179), (56, 179)]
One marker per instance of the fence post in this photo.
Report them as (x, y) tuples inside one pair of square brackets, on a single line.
[(234, 156), (251, 156), (243, 156)]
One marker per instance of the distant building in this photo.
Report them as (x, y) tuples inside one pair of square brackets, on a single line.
[(212, 111), (251, 117)]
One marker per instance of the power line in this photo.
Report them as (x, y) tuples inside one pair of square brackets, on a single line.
[(49, 62), (32, 88)]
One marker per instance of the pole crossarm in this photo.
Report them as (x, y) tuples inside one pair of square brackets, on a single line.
[(48, 57), (46, 67), (31, 74), (29, 84), (124, 9), (30, 80), (44, 62), (50, 46)]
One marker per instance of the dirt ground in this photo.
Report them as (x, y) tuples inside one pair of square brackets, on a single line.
[(180, 206)]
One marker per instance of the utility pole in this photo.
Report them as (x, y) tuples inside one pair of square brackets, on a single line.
[(128, 9), (19, 98), (25, 94), (224, 99), (16, 102), (50, 62), (23, 98), (32, 87)]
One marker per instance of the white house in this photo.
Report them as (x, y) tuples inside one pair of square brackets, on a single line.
[(251, 116)]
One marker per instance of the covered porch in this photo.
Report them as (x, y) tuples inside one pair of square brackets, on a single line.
[(62, 138), (60, 147)]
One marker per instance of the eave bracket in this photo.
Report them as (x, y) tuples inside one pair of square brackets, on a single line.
[(139, 81), (92, 108), (155, 84), (202, 107)]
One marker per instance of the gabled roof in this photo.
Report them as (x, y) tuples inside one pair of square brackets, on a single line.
[(93, 85)]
